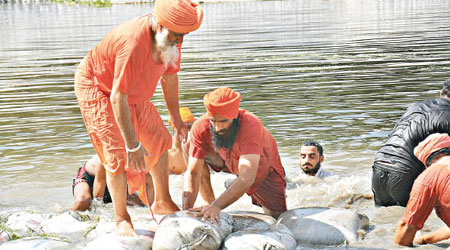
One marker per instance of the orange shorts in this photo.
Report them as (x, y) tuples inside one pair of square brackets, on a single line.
[(105, 134)]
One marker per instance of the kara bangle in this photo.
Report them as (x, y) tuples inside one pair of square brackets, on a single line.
[(132, 150)]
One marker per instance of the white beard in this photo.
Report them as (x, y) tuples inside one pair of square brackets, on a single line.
[(169, 53)]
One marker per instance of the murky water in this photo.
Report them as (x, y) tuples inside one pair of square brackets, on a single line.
[(340, 72)]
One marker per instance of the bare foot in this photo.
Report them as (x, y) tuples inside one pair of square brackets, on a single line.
[(164, 207), (125, 228)]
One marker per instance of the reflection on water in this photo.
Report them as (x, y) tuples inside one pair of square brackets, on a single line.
[(340, 72)]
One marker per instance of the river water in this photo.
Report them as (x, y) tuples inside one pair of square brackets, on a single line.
[(339, 72)]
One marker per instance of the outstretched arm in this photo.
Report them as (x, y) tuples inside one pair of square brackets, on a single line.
[(192, 180), (248, 166), (169, 84), (442, 233)]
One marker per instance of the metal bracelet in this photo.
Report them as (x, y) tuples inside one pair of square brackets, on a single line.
[(133, 149)]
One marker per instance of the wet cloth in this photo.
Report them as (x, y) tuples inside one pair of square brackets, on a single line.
[(84, 176), (431, 190), (123, 58), (397, 153), (252, 138), (389, 187)]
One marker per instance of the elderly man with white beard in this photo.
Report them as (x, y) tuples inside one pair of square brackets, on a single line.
[(114, 84)]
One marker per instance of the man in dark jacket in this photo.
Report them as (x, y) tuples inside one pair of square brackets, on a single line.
[(395, 167)]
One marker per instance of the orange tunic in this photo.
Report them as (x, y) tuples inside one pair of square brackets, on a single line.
[(123, 58), (430, 190)]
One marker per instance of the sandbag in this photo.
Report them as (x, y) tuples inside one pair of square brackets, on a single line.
[(33, 244), (64, 223), (22, 222), (276, 237), (248, 219), (111, 241), (324, 226), (181, 230)]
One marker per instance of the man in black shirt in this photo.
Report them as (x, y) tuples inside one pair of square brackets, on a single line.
[(395, 167)]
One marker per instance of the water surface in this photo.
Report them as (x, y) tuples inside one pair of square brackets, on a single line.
[(339, 72)]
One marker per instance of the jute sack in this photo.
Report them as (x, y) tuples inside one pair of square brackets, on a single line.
[(180, 231), (277, 237)]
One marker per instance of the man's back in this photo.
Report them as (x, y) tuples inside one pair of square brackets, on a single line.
[(419, 121)]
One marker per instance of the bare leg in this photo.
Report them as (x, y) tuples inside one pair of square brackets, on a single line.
[(163, 201), (82, 195), (118, 189), (150, 188)]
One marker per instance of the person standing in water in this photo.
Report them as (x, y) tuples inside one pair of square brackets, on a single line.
[(114, 84)]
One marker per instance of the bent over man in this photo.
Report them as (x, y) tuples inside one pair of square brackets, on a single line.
[(234, 140), (113, 85), (430, 190)]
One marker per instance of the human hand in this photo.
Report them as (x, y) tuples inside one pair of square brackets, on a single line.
[(210, 212), (181, 131), (135, 157), (420, 241)]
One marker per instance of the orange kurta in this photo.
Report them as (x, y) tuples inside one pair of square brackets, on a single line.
[(430, 190), (123, 58)]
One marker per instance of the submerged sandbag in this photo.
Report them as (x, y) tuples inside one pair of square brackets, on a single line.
[(111, 241), (276, 237), (33, 244), (324, 226), (247, 219), (182, 230)]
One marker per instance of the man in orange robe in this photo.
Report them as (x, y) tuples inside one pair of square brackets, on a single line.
[(234, 140), (430, 190), (113, 85)]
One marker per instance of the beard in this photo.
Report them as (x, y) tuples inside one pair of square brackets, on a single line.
[(310, 171), (226, 137), (169, 50)]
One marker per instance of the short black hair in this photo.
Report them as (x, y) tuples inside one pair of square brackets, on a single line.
[(446, 88), (315, 144)]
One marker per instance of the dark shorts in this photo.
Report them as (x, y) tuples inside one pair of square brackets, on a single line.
[(391, 188), (272, 193), (84, 176)]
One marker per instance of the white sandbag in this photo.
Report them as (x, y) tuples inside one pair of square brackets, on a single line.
[(64, 223), (277, 237), (247, 219), (22, 222), (182, 231), (324, 226), (33, 244), (111, 241)]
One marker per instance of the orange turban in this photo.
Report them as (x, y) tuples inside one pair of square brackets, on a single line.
[(222, 101), (185, 114), (181, 16), (430, 145)]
